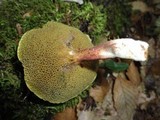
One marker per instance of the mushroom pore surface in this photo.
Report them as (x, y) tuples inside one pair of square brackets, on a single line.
[(47, 56)]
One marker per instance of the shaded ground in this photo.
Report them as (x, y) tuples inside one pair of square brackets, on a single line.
[(16, 100)]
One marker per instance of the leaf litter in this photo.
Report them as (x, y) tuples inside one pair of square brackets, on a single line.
[(120, 102)]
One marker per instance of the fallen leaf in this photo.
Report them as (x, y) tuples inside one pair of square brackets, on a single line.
[(125, 96), (120, 101), (19, 29), (86, 115), (67, 114), (133, 74), (27, 14), (123, 106), (144, 100), (99, 91), (141, 6)]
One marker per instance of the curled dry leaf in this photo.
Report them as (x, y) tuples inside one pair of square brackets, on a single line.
[(133, 74), (99, 91), (27, 14)]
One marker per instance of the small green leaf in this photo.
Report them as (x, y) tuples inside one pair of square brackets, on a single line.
[(114, 66)]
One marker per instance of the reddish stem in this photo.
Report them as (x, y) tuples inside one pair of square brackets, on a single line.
[(96, 53)]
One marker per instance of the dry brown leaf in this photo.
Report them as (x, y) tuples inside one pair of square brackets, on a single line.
[(120, 102), (133, 74), (27, 14), (19, 29), (144, 100), (86, 115), (99, 91), (67, 114), (141, 6), (125, 96)]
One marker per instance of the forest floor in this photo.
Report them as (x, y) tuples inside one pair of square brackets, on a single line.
[(133, 93)]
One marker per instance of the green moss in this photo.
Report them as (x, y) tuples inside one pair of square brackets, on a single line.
[(35, 13)]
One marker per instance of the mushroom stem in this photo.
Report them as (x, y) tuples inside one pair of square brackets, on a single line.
[(123, 48)]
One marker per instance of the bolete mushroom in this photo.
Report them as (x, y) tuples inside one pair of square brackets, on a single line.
[(49, 69), (56, 60)]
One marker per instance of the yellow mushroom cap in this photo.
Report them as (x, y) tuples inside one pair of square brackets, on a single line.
[(47, 57)]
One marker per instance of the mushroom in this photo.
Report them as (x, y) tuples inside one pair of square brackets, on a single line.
[(47, 57), (60, 61)]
